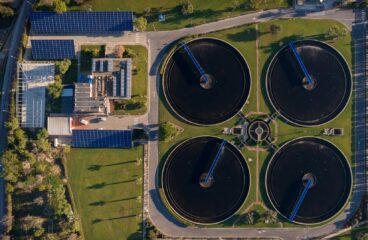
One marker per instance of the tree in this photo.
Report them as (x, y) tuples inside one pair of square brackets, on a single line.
[(147, 11), (20, 139), (42, 134), (362, 236), (31, 222), (38, 232), (140, 24), (271, 216), (12, 124), (119, 51), (57, 201), (234, 4), (168, 131), (55, 89), (63, 66), (187, 7), (59, 6), (275, 28), (335, 32), (6, 11), (254, 4), (249, 218), (129, 53), (7, 221), (43, 145)]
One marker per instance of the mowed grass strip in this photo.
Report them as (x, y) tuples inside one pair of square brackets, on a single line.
[(106, 191), (204, 10)]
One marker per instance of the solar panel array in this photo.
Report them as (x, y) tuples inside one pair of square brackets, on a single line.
[(52, 49), (102, 138), (81, 22)]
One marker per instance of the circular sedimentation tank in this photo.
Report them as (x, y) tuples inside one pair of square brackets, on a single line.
[(299, 161), (309, 103), (190, 196), (216, 94)]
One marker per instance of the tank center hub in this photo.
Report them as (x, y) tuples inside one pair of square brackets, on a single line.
[(307, 177)]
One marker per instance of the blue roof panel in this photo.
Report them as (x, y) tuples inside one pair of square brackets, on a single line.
[(81, 22), (102, 138), (52, 49)]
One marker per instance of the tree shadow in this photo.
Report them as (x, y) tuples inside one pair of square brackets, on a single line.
[(97, 167), (248, 35), (98, 220), (102, 203), (138, 234), (104, 184)]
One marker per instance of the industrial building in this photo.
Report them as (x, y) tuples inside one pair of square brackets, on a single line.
[(33, 79), (111, 79)]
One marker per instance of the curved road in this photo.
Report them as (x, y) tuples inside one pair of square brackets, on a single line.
[(159, 215)]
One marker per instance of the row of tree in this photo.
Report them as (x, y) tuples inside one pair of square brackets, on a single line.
[(30, 170), (59, 6), (56, 88), (35, 180)]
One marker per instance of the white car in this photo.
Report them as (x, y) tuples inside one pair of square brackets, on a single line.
[(83, 121)]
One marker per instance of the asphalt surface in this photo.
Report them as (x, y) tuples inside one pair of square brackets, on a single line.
[(10, 69), (159, 215)]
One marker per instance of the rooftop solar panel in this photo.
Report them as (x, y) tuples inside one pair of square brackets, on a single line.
[(102, 138), (52, 49), (81, 22)]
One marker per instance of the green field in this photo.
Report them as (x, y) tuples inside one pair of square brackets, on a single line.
[(107, 191), (244, 39), (138, 104), (204, 10)]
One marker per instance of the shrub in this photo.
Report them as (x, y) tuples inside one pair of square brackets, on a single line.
[(59, 6), (55, 89), (187, 7), (168, 131), (140, 24), (63, 66), (119, 51), (275, 28)]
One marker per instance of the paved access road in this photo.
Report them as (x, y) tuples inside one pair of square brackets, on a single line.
[(159, 215), (11, 64)]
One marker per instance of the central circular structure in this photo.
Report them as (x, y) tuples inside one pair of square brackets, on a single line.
[(299, 161), (212, 97), (258, 130), (314, 102), (190, 196)]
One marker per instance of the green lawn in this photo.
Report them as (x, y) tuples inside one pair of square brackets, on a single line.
[(106, 191), (138, 104), (204, 10), (243, 38)]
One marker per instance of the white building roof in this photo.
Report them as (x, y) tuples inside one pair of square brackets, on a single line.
[(59, 126)]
